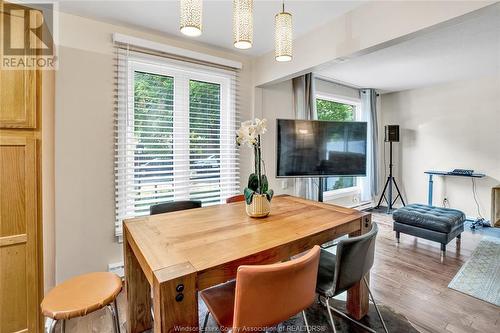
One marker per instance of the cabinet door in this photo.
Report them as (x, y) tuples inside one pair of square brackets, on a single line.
[(18, 106), (19, 309), (18, 88)]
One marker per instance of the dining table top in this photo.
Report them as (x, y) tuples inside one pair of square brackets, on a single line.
[(203, 238)]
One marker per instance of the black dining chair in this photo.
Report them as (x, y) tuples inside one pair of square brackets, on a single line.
[(168, 207), (341, 271)]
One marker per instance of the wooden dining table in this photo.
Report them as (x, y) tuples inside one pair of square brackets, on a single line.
[(177, 254)]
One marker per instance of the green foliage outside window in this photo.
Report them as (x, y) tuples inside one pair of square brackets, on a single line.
[(153, 109), (329, 110), (154, 143), (153, 138), (204, 139), (204, 118)]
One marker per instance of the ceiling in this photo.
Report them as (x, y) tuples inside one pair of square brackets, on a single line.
[(163, 16), (464, 50)]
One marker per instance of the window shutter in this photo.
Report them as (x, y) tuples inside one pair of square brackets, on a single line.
[(175, 133)]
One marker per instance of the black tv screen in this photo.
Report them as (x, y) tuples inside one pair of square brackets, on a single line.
[(310, 148)]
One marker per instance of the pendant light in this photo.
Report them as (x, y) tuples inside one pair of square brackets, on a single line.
[(243, 23), (191, 17), (283, 36)]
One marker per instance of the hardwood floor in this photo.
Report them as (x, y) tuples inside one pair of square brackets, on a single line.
[(409, 278)]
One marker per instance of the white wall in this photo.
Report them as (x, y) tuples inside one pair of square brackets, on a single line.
[(454, 125), (337, 90), (84, 136), (277, 102)]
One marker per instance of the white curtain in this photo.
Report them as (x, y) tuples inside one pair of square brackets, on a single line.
[(304, 104), (369, 184)]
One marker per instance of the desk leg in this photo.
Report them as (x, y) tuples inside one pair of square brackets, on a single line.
[(138, 293), (357, 297), (429, 193), (175, 303)]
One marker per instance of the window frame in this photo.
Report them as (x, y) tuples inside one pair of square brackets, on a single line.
[(356, 102), (182, 73)]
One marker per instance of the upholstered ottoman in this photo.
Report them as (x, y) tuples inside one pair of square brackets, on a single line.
[(428, 222)]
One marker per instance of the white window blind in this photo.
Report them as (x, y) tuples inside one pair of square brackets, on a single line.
[(175, 133)]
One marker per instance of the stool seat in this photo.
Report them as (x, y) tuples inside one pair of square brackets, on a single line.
[(81, 295)]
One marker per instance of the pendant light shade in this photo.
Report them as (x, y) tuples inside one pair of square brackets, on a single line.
[(191, 17), (283, 36), (243, 23)]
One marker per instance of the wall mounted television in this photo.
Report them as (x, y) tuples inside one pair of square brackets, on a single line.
[(312, 148)]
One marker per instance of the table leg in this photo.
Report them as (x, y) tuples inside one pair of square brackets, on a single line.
[(357, 297), (175, 301), (138, 293)]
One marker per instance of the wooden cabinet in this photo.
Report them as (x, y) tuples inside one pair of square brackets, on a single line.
[(21, 278), (18, 235), (19, 89)]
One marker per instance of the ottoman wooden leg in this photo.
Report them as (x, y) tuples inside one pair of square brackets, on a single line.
[(398, 235), (459, 241), (443, 251)]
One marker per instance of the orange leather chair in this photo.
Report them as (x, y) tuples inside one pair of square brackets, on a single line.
[(236, 198), (265, 295)]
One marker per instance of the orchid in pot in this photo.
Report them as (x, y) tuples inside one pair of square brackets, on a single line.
[(257, 194)]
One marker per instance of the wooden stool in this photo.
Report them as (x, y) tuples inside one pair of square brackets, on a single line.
[(82, 295)]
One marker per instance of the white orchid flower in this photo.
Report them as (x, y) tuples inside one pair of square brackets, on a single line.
[(246, 134), (260, 126), (249, 131)]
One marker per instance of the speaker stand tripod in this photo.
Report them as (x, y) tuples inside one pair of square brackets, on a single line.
[(388, 187)]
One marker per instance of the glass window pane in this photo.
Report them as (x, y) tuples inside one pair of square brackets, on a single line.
[(329, 110), (335, 111), (174, 135), (153, 141), (204, 141)]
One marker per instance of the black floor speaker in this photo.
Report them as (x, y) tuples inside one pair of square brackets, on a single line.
[(391, 133)]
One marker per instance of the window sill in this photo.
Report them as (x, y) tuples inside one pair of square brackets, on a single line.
[(341, 193)]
